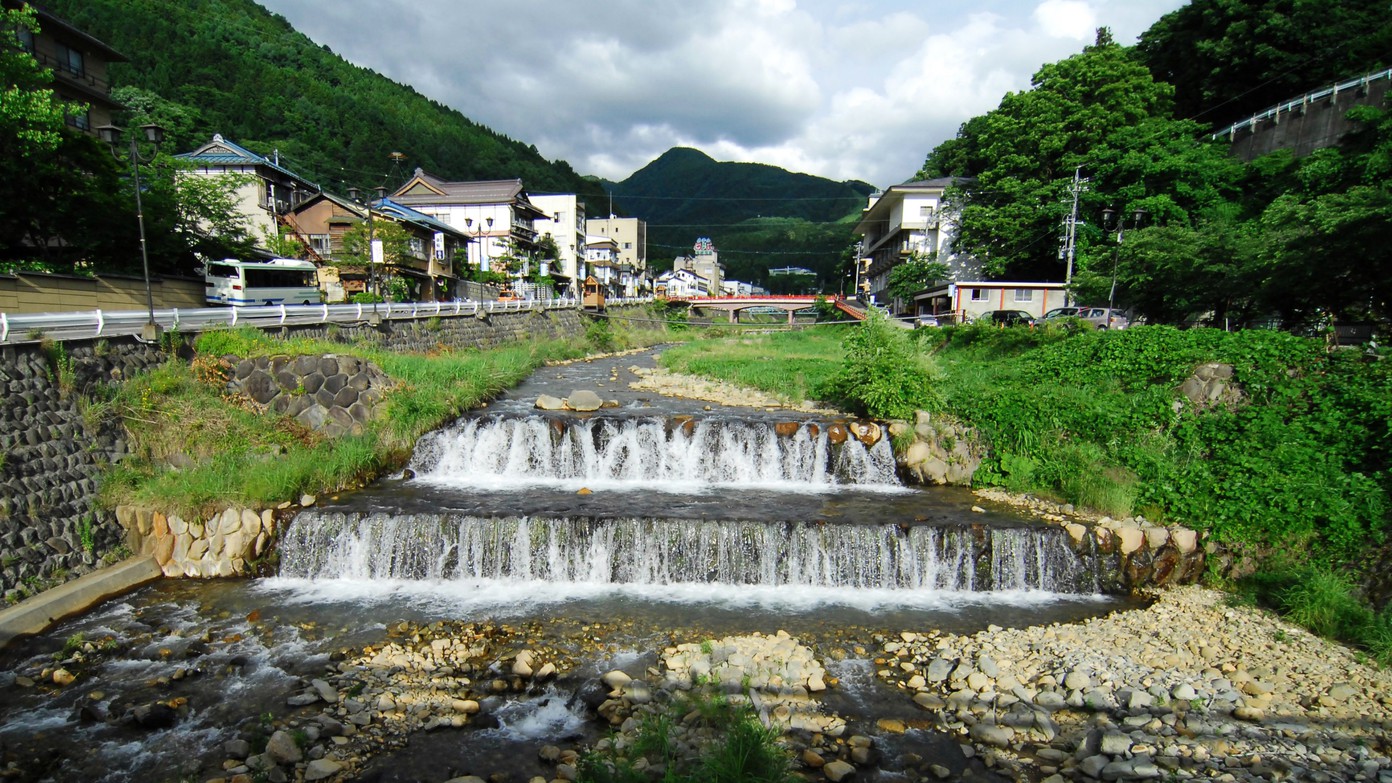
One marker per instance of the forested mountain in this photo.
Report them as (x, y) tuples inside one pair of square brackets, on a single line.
[(1207, 237), (759, 216), (232, 67)]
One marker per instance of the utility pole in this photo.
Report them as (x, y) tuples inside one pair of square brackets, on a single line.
[(1070, 236)]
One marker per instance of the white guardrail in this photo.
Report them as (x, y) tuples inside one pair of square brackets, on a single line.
[(88, 324)]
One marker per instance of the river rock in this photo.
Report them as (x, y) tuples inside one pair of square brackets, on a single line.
[(546, 402), (584, 400), (838, 770), (616, 679), (282, 749), (319, 769)]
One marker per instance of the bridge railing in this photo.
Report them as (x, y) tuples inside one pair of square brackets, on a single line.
[(86, 324)]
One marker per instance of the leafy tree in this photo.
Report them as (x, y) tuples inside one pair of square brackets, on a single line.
[(1099, 110), (283, 244), (1328, 241), (31, 115), (915, 275), (1230, 58), (396, 243)]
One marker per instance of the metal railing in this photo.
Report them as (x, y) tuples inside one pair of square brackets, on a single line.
[(89, 324), (1301, 103)]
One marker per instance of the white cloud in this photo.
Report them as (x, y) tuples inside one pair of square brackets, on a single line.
[(848, 89), (1073, 19)]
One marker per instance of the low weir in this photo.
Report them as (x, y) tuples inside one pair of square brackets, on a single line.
[(513, 459)]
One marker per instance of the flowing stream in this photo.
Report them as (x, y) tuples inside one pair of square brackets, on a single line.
[(667, 520)]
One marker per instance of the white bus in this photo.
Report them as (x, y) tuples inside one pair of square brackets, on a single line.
[(278, 281)]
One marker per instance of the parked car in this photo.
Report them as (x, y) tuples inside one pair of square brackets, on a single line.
[(1061, 312), (1103, 318), (1007, 318), (926, 319)]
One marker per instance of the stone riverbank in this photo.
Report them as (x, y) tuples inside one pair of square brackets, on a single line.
[(1189, 688)]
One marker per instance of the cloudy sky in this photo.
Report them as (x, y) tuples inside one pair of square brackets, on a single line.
[(846, 89)]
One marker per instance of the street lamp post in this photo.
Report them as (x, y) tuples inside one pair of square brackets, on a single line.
[(1108, 215), (374, 287), (155, 135), (484, 225)]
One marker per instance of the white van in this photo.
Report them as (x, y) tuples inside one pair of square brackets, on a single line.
[(246, 283)]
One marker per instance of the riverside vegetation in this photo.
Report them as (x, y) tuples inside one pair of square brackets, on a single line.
[(1295, 474), (195, 448)]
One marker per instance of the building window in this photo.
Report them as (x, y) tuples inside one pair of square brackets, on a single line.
[(926, 212), (26, 39), (628, 246), (417, 247), (70, 60), (82, 120), (321, 244), (1024, 294), (978, 294)]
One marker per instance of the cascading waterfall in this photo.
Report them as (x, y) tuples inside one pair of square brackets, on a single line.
[(617, 453), (502, 456), (328, 544)]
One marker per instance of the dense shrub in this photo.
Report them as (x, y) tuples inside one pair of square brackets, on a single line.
[(1091, 417), (884, 374)]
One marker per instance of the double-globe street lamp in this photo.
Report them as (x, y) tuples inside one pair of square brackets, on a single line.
[(1108, 215), (155, 135), (478, 238)]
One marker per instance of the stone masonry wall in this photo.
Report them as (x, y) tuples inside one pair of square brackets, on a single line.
[(53, 446), (335, 395), (52, 451)]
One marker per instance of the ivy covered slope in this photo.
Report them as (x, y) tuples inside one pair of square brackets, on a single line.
[(232, 67), (1300, 462)]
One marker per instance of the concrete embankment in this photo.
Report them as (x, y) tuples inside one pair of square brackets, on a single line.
[(36, 614)]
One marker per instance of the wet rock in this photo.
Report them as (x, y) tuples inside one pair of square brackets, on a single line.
[(838, 770), (584, 400), (155, 716), (319, 769), (281, 748), (546, 402)]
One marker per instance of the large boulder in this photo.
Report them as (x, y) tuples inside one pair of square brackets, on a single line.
[(584, 400)]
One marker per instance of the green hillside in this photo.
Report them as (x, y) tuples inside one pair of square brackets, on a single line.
[(232, 67), (759, 216)]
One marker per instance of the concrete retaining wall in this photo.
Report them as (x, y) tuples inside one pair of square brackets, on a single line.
[(34, 292)]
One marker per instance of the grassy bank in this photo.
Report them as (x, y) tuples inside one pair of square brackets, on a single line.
[(1296, 471), (195, 448)]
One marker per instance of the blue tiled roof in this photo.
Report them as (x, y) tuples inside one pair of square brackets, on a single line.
[(387, 205), (236, 155)]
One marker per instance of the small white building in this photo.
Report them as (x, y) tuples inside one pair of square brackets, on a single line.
[(497, 214), (602, 257), (685, 284), (964, 301), (904, 221), (271, 192)]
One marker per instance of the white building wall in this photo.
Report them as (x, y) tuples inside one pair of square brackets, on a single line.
[(567, 227), (489, 242)]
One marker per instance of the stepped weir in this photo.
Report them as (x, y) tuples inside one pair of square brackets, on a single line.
[(613, 500)]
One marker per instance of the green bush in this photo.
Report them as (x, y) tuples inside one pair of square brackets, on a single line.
[(883, 374)]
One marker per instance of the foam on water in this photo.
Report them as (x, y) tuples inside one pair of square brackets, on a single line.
[(517, 598), (551, 715), (512, 453)]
